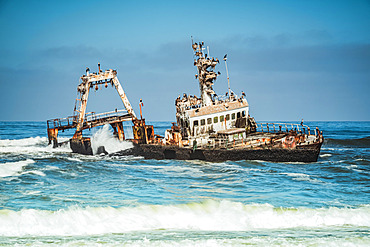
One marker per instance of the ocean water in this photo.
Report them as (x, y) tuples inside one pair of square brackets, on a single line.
[(52, 197)]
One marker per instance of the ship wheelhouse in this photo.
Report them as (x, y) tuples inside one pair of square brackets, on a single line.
[(212, 119)]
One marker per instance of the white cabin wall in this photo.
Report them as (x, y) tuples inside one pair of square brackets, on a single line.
[(219, 125)]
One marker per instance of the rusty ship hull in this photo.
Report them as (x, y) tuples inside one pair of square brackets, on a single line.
[(267, 146), (309, 153)]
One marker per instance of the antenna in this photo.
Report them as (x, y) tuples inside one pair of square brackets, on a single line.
[(141, 104), (227, 73)]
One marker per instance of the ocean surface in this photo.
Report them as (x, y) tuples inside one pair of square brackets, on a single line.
[(52, 197)]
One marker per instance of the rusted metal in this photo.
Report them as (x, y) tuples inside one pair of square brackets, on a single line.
[(82, 120), (90, 80), (53, 136), (91, 120), (118, 130)]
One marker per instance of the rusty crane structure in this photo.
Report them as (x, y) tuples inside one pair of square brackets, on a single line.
[(81, 120)]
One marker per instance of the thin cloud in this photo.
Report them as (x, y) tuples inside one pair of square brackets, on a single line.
[(70, 52), (349, 58)]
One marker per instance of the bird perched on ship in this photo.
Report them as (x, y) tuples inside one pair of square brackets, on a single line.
[(195, 46), (243, 94), (178, 100), (184, 97)]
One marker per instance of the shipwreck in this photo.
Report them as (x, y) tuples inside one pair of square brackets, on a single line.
[(208, 127)]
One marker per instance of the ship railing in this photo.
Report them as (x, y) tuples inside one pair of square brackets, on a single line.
[(58, 123), (91, 116), (194, 106), (225, 98), (285, 127), (71, 122), (217, 100)]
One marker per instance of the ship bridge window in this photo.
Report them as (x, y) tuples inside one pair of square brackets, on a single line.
[(215, 120), (222, 118), (227, 117), (238, 115), (243, 113), (202, 122), (209, 120), (196, 123), (233, 116)]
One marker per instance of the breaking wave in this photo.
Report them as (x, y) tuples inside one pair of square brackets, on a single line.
[(31, 145), (210, 215), (9, 169), (172, 239), (104, 137)]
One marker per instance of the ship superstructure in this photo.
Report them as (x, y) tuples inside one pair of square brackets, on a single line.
[(201, 119)]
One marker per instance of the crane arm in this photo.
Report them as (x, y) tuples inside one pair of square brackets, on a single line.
[(123, 97), (90, 80)]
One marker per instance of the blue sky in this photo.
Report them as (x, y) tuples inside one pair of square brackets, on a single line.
[(294, 59)]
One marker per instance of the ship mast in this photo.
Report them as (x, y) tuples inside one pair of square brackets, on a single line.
[(206, 76), (227, 74)]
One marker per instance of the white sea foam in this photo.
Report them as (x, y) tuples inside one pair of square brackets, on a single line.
[(104, 137), (31, 141), (9, 169), (355, 168), (337, 149), (207, 216), (49, 167), (302, 177), (39, 173), (74, 159), (360, 159), (325, 155), (38, 145), (35, 192), (267, 241)]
